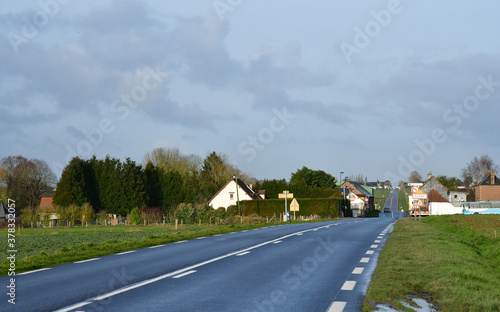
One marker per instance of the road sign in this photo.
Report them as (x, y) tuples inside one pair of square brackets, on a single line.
[(415, 189), (282, 195), (294, 206), (415, 184), (419, 196)]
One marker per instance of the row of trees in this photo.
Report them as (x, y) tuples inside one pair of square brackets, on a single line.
[(65, 215), (164, 180)]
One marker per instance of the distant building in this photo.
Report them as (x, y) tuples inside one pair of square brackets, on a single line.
[(47, 207), (233, 191), (488, 189), (433, 184), (361, 194), (438, 205), (457, 198)]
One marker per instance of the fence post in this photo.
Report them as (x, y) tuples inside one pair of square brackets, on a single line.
[(176, 220)]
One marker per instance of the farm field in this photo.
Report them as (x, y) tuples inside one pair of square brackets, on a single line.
[(452, 262)]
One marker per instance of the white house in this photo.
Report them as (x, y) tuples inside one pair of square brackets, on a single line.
[(440, 206), (230, 193), (357, 205)]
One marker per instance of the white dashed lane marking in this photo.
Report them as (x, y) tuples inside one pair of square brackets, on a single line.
[(185, 274), (348, 285), (358, 270)]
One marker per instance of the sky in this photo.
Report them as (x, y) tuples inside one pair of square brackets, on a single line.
[(378, 88)]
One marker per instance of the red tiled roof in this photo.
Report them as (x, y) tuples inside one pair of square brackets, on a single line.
[(46, 202)]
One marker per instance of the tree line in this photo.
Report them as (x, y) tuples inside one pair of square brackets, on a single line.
[(166, 179)]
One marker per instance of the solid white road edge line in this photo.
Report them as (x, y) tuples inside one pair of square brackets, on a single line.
[(29, 272), (125, 252), (88, 260), (74, 307)]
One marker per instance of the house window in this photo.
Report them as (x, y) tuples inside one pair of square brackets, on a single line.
[(456, 196), (231, 196)]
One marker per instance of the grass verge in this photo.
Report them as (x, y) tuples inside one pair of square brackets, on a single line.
[(451, 261), (46, 247), (380, 197)]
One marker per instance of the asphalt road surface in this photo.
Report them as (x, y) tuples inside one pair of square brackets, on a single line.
[(298, 267), (391, 204)]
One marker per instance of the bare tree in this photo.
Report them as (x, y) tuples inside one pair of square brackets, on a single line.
[(415, 177), (26, 180), (172, 160), (475, 169)]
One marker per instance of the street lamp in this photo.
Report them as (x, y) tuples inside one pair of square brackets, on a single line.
[(340, 193)]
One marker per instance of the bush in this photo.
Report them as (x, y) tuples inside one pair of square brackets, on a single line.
[(135, 216), (323, 207), (232, 211)]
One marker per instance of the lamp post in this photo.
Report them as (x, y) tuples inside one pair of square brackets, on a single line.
[(340, 193)]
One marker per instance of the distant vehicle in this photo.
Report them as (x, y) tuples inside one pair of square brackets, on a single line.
[(387, 209)]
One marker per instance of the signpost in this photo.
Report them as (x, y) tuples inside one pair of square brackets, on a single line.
[(285, 195)]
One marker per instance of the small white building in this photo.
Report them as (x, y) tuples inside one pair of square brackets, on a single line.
[(457, 198), (357, 205), (230, 193), (440, 206)]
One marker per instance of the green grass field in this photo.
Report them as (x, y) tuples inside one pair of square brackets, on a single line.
[(380, 197), (451, 261)]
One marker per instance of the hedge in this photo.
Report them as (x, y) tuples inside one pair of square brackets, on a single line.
[(323, 207)]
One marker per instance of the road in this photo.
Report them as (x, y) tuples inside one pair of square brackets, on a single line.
[(298, 267), (392, 203)]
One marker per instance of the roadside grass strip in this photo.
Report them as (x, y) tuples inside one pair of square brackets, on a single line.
[(452, 262)]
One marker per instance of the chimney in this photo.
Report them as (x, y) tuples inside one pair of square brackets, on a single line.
[(429, 176), (486, 173), (492, 178)]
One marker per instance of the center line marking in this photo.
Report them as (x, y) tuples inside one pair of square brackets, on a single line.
[(358, 270), (348, 285), (185, 274), (337, 306), (243, 253), (277, 242)]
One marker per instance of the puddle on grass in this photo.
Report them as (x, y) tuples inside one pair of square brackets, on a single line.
[(424, 306)]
